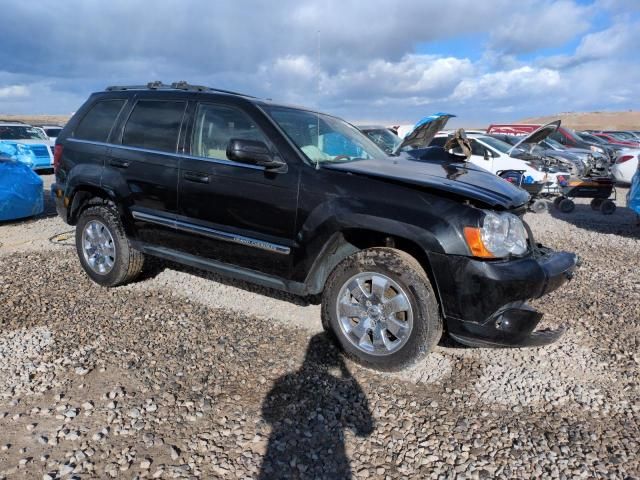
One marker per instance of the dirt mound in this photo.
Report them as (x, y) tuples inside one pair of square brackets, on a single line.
[(592, 120)]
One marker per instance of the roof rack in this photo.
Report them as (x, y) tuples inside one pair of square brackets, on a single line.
[(181, 85)]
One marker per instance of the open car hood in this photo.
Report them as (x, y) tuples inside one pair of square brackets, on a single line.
[(424, 131), (538, 135)]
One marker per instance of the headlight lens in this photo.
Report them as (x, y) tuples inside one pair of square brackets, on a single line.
[(501, 234)]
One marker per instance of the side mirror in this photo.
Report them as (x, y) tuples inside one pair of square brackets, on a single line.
[(487, 154), (253, 152)]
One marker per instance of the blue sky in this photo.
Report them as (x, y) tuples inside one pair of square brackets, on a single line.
[(489, 61)]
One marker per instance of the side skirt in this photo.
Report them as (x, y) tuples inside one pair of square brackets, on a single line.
[(224, 269)]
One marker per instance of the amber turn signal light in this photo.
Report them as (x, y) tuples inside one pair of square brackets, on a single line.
[(473, 237)]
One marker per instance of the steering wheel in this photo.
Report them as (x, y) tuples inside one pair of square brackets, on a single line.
[(340, 157)]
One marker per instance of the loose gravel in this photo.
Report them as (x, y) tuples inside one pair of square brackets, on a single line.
[(187, 375)]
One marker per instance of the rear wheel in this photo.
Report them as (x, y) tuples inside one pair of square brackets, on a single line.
[(103, 248), (566, 205), (608, 207), (380, 306)]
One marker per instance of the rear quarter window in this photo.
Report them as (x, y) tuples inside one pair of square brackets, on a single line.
[(98, 122), (154, 125)]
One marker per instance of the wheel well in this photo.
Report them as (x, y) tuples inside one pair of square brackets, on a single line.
[(363, 239), (82, 199)]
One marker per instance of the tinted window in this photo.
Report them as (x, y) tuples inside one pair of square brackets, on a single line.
[(154, 125), (96, 125), (217, 124), (438, 142)]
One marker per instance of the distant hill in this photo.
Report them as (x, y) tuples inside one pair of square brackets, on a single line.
[(38, 119), (592, 120)]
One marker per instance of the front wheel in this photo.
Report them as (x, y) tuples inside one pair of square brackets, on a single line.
[(381, 308)]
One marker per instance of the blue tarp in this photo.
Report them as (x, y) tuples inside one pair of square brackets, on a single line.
[(634, 193), (21, 193)]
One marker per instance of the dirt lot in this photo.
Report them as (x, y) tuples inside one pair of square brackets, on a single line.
[(186, 375)]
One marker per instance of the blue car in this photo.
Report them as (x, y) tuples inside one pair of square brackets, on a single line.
[(21, 192), (31, 139)]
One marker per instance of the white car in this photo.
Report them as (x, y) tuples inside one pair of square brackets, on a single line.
[(626, 165), (51, 131), (496, 156), (32, 138)]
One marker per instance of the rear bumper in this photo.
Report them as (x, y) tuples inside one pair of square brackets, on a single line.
[(484, 303), (58, 199)]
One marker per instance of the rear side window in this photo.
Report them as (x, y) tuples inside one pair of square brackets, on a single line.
[(154, 125), (98, 122)]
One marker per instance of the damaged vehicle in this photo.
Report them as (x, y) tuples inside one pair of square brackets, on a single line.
[(397, 250)]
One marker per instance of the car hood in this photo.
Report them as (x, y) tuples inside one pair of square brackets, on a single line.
[(424, 131), (459, 178), (538, 135)]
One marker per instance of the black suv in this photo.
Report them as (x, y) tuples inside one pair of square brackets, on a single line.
[(396, 248)]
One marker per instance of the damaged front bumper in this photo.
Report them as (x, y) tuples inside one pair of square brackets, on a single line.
[(484, 303)]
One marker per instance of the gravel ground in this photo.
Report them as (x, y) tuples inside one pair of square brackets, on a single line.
[(186, 375)]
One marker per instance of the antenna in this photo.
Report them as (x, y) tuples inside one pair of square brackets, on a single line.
[(319, 92)]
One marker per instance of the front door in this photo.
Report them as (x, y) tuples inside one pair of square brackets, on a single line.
[(234, 212)]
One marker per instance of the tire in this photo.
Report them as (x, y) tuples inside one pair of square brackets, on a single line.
[(596, 203), (556, 201), (608, 207), (417, 312), (118, 263), (539, 206), (567, 205)]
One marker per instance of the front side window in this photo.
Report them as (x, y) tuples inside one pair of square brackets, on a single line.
[(98, 122), (384, 139), (215, 125), (154, 125), (324, 139)]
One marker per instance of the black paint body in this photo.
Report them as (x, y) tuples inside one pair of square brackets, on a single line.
[(288, 228)]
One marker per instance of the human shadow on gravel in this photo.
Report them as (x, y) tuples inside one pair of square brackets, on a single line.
[(623, 222), (309, 411)]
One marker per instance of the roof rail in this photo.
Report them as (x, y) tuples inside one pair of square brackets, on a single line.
[(181, 85)]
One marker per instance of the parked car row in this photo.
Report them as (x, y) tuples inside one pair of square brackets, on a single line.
[(36, 142)]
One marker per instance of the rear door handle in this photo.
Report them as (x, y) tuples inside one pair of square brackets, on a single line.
[(196, 177), (118, 163)]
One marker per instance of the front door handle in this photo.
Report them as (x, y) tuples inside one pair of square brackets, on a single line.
[(196, 177), (118, 163)]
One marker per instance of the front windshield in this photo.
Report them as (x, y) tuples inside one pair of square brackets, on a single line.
[(502, 147), (324, 139), (14, 132), (383, 138)]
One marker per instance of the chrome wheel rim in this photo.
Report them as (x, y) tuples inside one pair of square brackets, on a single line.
[(98, 247), (374, 313)]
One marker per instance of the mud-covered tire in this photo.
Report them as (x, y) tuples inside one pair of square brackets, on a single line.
[(408, 274), (556, 201), (127, 262)]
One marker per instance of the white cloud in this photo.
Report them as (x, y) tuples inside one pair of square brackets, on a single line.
[(529, 26), (13, 91), (512, 84)]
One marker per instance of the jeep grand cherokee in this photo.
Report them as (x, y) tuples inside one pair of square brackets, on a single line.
[(300, 201)]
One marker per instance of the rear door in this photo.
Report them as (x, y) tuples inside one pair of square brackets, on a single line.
[(143, 166), (229, 211)]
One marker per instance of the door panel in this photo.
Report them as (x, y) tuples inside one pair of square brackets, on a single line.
[(148, 165), (234, 212)]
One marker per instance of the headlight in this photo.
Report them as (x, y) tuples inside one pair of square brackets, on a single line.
[(500, 235), (597, 149)]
